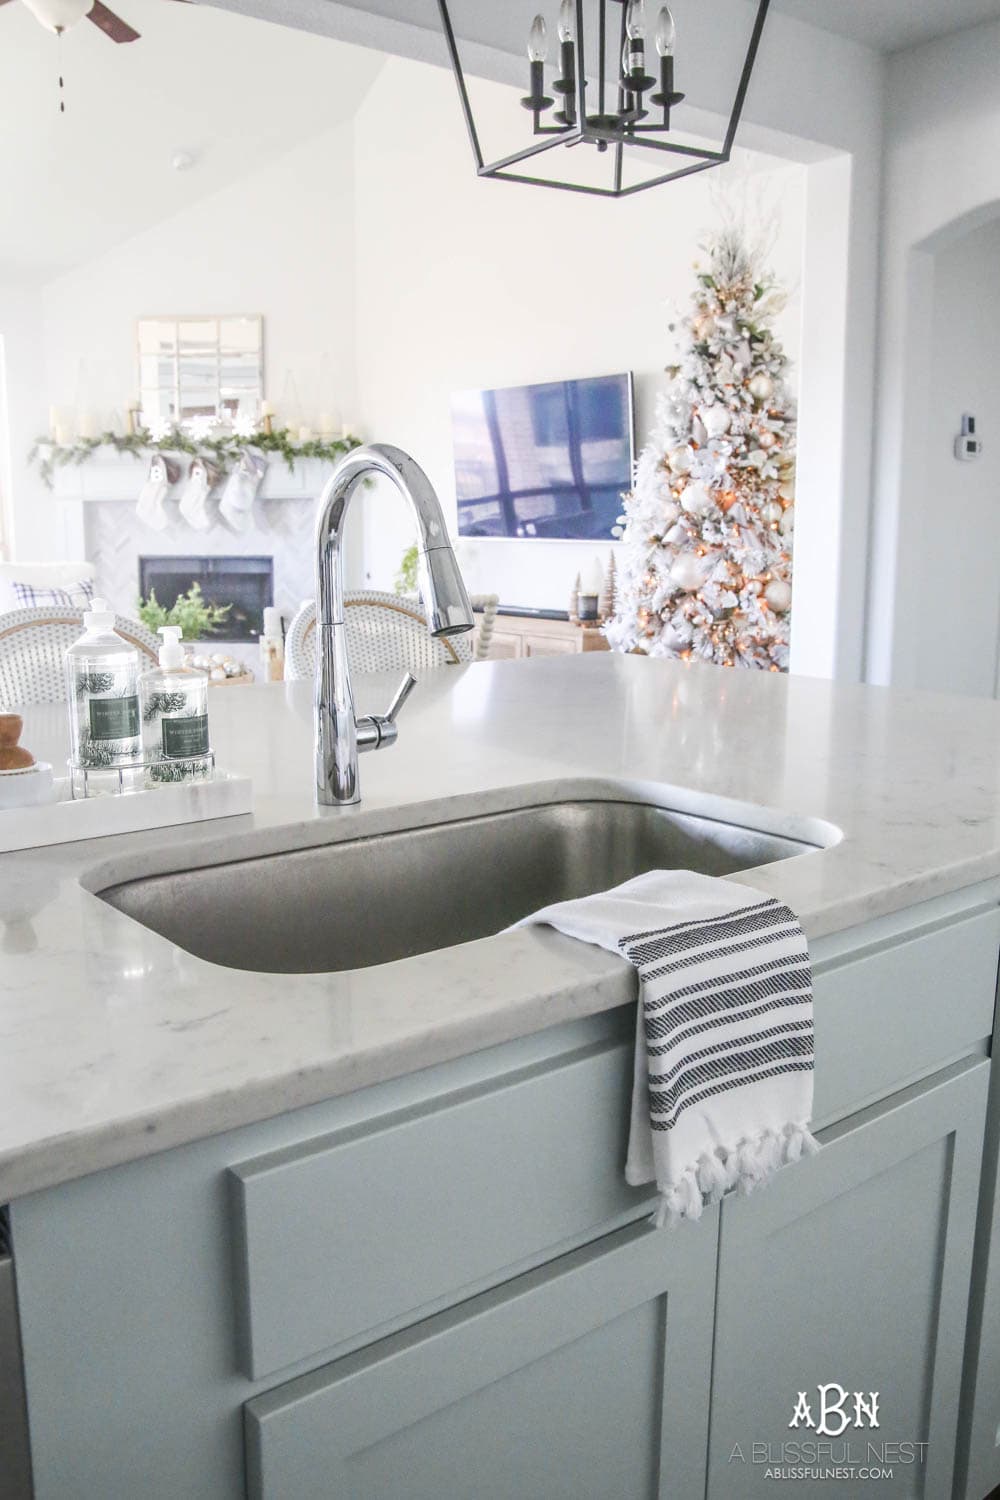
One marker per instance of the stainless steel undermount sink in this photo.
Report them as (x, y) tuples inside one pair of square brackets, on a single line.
[(364, 901)]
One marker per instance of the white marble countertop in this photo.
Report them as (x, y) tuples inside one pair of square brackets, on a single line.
[(115, 1043)]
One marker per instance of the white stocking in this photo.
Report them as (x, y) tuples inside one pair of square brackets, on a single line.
[(150, 506), (236, 505), (194, 497)]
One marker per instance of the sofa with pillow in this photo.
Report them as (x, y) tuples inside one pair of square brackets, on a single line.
[(68, 585)]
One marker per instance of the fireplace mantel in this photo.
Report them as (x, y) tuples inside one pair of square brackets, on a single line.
[(119, 476)]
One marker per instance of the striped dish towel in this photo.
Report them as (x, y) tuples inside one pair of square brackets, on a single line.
[(724, 1046)]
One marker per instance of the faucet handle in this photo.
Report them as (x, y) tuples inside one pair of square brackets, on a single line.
[(400, 696), (379, 730)]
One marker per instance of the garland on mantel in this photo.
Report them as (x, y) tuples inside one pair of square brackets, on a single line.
[(223, 452)]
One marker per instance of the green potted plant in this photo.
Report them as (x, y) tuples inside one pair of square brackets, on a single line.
[(191, 611)]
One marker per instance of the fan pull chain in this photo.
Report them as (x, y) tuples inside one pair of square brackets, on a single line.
[(62, 98)]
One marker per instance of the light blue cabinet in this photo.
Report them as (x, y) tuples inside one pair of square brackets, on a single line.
[(853, 1271), (441, 1286), (585, 1380)]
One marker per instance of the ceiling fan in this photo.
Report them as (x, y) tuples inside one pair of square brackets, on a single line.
[(60, 15)]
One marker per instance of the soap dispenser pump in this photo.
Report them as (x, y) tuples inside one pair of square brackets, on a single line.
[(174, 715), (102, 686)]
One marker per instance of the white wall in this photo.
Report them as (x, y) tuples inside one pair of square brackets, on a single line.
[(814, 96), (499, 284), (277, 242), (942, 179), (35, 528), (954, 631)]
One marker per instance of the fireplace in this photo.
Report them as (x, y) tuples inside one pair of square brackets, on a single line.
[(246, 583)]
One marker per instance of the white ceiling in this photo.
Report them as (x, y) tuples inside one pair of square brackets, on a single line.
[(234, 91), (230, 90), (890, 25)]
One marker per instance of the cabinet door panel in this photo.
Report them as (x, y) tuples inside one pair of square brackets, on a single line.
[(551, 645), (853, 1269), (581, 1381), (504, 646)]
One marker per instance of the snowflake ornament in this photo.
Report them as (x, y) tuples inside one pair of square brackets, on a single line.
[(244, 426), (200, 427), (159, 428)]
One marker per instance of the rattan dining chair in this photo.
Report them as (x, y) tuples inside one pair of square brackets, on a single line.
[(386, 633), (33, 644)]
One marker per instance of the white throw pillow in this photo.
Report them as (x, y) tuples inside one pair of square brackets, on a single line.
[(76, 595)]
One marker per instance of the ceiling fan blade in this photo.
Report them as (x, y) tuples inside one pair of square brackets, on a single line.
[(112, 25)]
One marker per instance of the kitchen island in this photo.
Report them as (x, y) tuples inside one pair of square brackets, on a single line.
[(291, 1234)]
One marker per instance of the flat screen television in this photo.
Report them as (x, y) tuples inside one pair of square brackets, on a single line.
[(545, 461)]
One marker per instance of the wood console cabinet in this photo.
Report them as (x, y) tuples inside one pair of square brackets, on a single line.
[(515, 636)]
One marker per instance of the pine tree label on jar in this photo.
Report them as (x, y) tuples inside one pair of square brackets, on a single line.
[(114, 718), (184, 737)]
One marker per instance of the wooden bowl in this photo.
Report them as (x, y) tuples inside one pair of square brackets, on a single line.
[(10, 729)]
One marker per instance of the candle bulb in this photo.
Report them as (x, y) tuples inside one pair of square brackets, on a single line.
[(666, 35), (538, 45), (565, 84), (538, 49), (635, 32)]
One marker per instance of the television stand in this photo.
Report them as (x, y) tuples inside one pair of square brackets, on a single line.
[(521, 632)]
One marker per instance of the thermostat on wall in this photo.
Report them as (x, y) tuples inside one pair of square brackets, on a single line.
[(967, 445)]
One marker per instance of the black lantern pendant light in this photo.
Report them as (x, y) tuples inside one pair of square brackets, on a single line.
[(632, 110)]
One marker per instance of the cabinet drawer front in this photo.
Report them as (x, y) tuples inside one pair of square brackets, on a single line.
[(583, 1380), (372, 1223), (900, 1012)]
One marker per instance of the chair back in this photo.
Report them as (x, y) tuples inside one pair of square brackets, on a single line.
[(33, 644), (384, 633)]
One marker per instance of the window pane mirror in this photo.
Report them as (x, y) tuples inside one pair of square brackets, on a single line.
[(200, 367)]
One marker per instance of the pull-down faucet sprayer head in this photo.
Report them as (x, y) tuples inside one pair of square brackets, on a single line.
[(442, 592), (340, 735)]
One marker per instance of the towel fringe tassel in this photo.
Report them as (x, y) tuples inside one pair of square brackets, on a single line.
[(742, 1168)]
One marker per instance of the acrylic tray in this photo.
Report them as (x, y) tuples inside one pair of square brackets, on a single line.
[(68, 817)]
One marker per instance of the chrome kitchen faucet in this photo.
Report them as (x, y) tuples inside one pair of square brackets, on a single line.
[(340, 734)]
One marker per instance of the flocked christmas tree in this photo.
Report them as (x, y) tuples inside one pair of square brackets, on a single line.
[(707, 567)]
